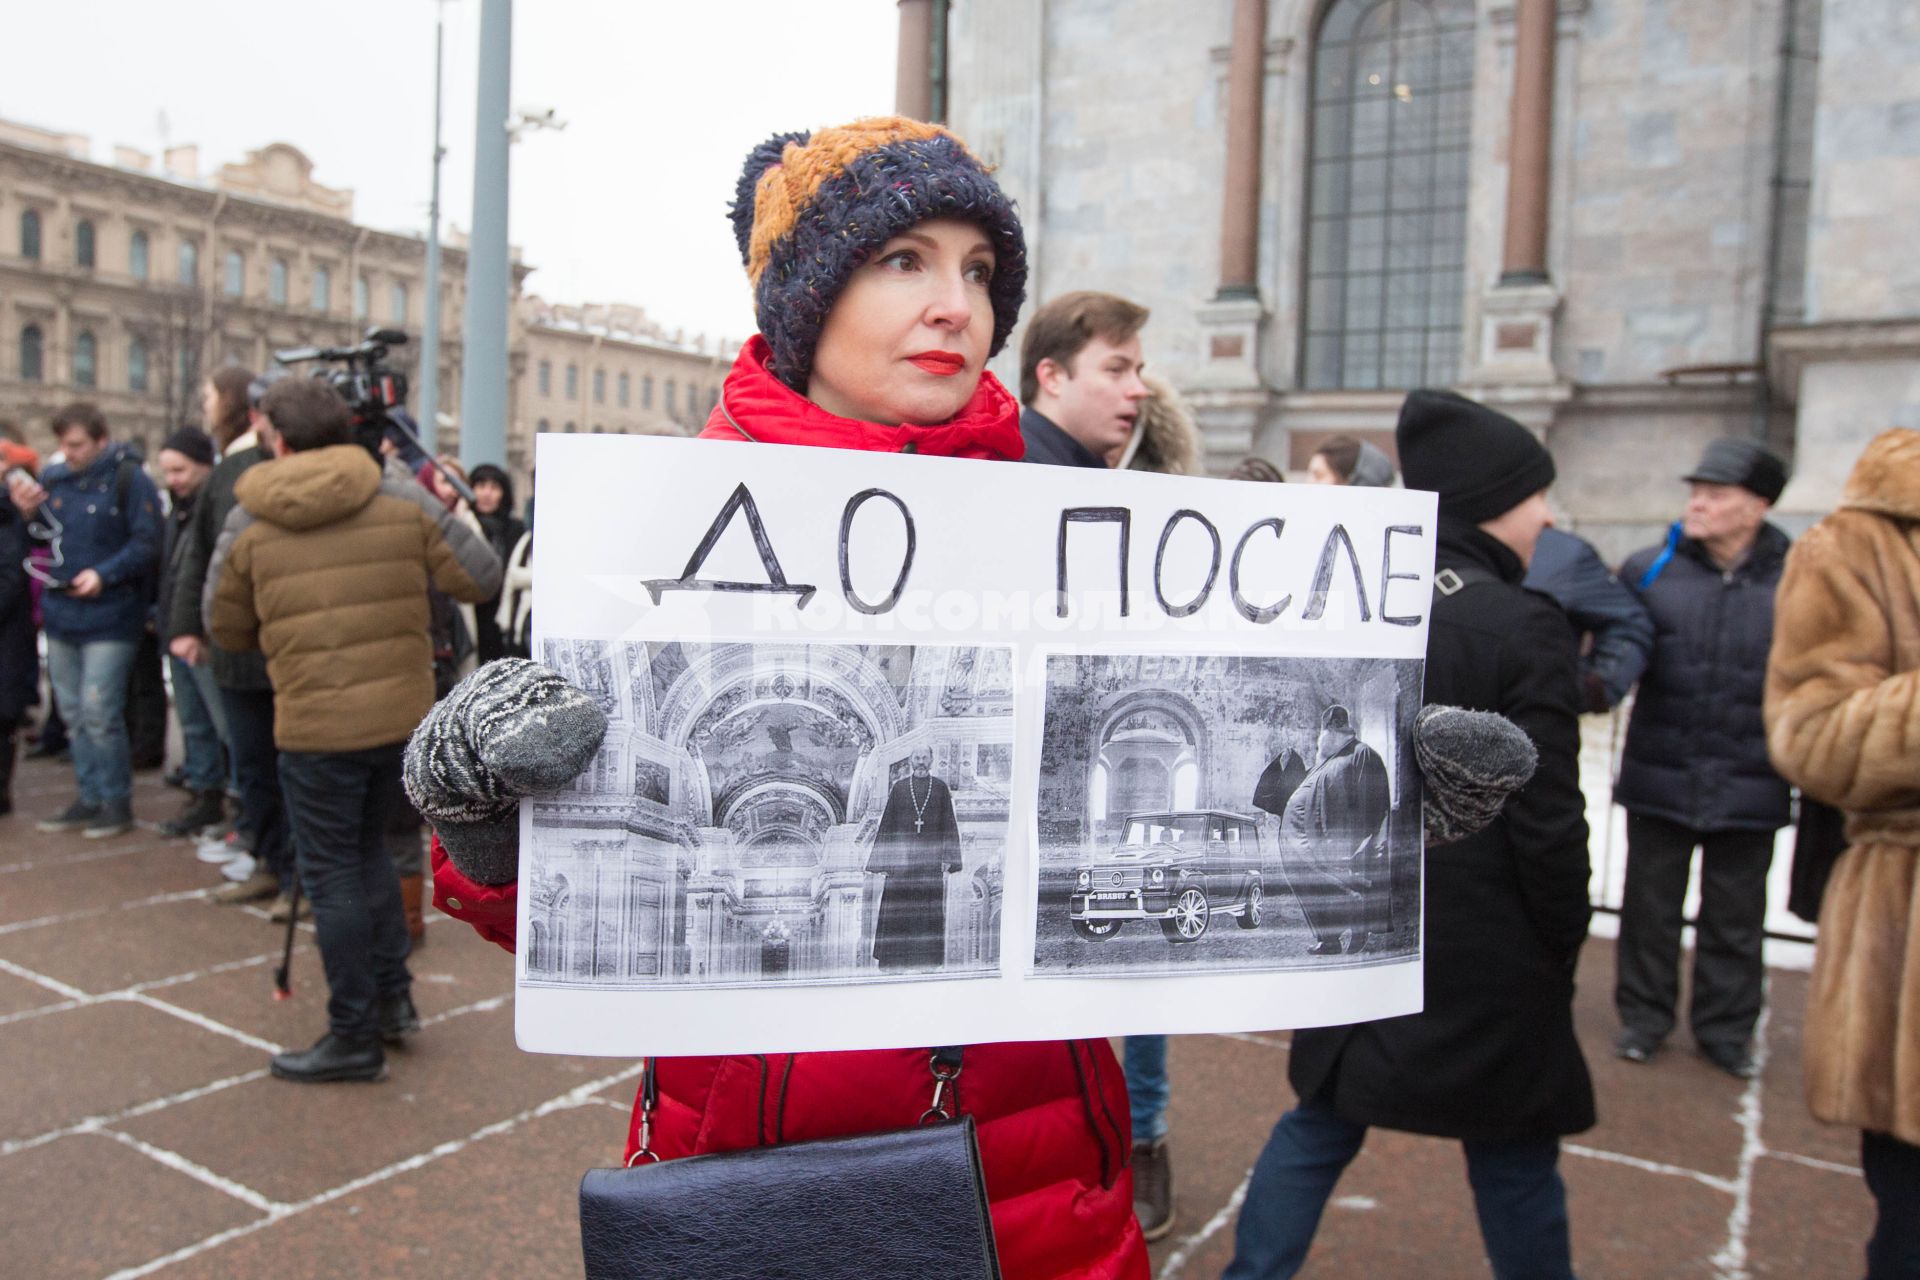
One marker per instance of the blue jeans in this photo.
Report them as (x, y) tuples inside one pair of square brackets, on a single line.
[(1517, 1194), (202, 726), (1147, 1088), (90, 685)]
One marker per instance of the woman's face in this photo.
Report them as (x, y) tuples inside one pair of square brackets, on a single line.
[(908, 338), (486, 496), (210, 403), (1320, 471)]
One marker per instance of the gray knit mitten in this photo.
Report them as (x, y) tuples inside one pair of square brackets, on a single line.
[(513, 728), (1471, 762)]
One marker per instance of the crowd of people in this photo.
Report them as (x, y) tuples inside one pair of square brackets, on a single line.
[(319, 608)]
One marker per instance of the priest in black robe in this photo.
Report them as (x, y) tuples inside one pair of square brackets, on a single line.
[(917, 845), (1332, 839)]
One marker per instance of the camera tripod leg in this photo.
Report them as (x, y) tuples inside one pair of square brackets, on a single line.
[(281, 989)]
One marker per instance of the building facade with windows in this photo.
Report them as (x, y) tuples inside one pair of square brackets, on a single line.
[(128, 283), (608, 368), (1634, 225)]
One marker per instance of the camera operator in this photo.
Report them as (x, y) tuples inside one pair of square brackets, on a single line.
[(325, 567)]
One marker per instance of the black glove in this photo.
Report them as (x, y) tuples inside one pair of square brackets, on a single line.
[(1470, 761), (513, 728)]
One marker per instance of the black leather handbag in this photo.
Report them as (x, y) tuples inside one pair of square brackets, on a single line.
[(905, 1202)]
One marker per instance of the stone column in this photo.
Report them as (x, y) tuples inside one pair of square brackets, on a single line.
[(1240, 207), (913, 73), (1524, 255)]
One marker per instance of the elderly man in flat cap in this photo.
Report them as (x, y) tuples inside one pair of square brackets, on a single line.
[(1695, 773)]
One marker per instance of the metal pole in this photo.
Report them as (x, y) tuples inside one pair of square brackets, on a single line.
[(483, 367), (430, 336)]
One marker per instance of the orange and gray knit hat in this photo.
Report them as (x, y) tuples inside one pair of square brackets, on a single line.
[(811, 207)]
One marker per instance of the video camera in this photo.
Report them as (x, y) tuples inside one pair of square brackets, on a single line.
[(373, 392)]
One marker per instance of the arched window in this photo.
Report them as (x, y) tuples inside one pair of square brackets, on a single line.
[(360, 294), (189, 262), (83, 243), (31, 347), (137, 364), (599, 386), (646, 391), (546, 377), (233, 274), (397, 303), (322, 289), (1387, 193), (139, 251), (573, 382), (30, 234), (667, 395), (543, 427), (277, 282), (626, 389), (86, 360)]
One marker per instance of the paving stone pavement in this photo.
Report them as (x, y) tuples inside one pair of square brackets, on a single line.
[(141, 1135)]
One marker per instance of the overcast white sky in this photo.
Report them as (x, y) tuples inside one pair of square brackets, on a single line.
[(662, 100)]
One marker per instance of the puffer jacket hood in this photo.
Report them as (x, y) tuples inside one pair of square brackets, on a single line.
[(307, 490), (1886, 479), (1169, 440)]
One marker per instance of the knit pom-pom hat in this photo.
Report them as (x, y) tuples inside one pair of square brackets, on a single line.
[(810, 208)]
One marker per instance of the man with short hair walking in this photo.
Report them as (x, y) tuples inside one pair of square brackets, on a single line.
[(325, 567), (1695, 773), (106, 514), (1080, 383)]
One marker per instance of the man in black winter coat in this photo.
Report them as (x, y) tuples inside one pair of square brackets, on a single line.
[(1695, 773), (1492, 1060)]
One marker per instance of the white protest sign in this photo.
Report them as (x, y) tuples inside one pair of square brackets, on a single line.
[(911, 750)]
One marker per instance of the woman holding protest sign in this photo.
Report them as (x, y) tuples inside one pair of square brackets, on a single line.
[(887, 267)]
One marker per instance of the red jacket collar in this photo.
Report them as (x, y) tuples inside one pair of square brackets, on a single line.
[(769, 411)]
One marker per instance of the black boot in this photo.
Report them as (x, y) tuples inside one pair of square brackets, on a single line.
[(399, 1020), (1153, 1188), (203, 809), (332, 1058)]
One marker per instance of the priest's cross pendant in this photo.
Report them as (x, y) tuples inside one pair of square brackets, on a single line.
[(917, 824)]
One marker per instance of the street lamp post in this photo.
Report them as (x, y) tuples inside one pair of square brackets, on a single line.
[(430, 335), (483, 365)]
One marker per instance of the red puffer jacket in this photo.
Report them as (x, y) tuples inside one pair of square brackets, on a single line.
[(1052, 1115)]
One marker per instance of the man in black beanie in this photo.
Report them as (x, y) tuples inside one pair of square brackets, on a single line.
[(1492, 1060), (1695, 771)]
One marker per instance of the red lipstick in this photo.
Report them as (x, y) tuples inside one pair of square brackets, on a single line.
[(941, 364)]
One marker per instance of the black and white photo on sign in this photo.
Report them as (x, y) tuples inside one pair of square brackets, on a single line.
[(1226, 812), (764, 813)]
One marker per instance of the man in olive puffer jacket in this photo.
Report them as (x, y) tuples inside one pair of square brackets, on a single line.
[(325, 567)]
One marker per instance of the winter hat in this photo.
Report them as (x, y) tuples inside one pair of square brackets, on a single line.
[(193, 443), (1731, 460), (1470, 761), (1373, 469), (1255, 467), (810, 208), (1481, 462)]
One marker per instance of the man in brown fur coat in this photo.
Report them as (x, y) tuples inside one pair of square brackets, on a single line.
[(1843, 720)]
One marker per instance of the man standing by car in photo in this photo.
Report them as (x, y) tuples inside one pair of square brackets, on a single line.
[(1331, 835), (325, 568)]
